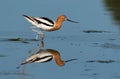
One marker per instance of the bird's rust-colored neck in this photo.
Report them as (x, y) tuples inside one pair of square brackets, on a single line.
[(58, 22), (57, 57)]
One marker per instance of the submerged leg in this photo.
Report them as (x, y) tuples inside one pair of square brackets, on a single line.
[(35, 50)]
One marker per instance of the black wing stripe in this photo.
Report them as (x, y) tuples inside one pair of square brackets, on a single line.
[(30, 18), (47, 19), (40, 22)]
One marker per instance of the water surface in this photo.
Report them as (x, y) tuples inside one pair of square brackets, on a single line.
[(94, 41)]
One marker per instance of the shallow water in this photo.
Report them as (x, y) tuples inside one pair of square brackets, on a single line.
[(94, 41)]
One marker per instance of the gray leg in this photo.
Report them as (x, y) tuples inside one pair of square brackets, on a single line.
[(38, 33), (32, 28)]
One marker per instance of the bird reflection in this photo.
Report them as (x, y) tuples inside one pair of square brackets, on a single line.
[(46, 55), (42, 55)]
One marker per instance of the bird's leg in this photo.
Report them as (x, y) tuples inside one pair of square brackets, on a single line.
[(42, 43), (33, 27), (42, 35), (38, 33)]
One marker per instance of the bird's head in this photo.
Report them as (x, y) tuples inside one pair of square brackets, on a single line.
[(64, 18)]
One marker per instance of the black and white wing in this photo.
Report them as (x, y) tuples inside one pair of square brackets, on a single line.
[(40, 22)]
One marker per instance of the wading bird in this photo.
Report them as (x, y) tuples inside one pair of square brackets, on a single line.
[(44, 23)]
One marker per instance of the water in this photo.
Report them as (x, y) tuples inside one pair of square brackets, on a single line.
[(94, 41)]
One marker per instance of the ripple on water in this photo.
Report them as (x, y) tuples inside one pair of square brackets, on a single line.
[(110, 45), (3, 55), (101, 61), (95, 31)]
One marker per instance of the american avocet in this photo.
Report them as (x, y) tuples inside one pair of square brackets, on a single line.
[(46, 55), (46, 24)]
